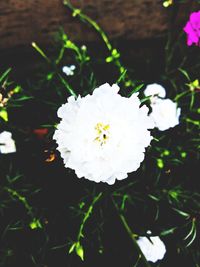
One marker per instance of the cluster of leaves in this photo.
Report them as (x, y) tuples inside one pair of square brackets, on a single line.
[(163, 196)]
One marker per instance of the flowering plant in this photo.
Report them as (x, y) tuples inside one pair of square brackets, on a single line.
[(84, 114), (192, 28)]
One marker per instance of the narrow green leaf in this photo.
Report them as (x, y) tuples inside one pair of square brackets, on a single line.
[(72, 248), (184, 73), (5, 74), (153, 197), (193, 238), (136, 89), (192, 100), (190, 232), (79, 251), (168, 231), (182, 213), (4, 114)]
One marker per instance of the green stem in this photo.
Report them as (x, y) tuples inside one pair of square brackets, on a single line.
[(87, 215), (131, 235), (64, 82), (67, 86), (35, 223), (90, 21), (60, 56), (85, 18), (21, 198)]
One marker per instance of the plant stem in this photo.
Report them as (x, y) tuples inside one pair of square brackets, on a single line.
[(90, 22), (131, 235), (67, 85), (64, 82), (77, 12), (87, 215), (21, 198)]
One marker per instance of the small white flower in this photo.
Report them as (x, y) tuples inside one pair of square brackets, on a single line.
[(155, 90), (83, 47), (103, 136), (165, 114), (69, 71), (7, 144), (153, 250)]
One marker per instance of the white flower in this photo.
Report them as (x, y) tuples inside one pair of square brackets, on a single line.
[(7, 144), (155, 90), (83, 47), (165, 114), (153, 250), (69, 71), (103, 136)]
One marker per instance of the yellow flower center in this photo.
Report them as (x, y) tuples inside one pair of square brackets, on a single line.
[(102, 131)]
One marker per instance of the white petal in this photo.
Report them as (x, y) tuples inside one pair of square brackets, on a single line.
[(7, 144), (154, 250), (155, 89), (165, 114)]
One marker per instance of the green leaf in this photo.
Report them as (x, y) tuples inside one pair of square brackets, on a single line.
[(196, 83), (182, 213), (192, 100), (153, 197), (23, 98), (115, 53), (50, 76), (168, 231), (195, 122), (72, 248), (128, 83), (109, 59), (160, 163), (121, 77), (183, 154), (4, 114), (192, 231), (67, 86), (79, 251), (17, 89), (184, 73), (166, 152), (136, 89), (5, 74), (35, 224), (193, 238), (125, 197)]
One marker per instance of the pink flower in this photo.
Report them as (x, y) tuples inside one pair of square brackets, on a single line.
[(192, 28)]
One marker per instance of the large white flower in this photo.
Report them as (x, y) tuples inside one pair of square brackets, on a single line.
[(165, 114), (7, 144), (153, 250), (155, 90), (103, 136)]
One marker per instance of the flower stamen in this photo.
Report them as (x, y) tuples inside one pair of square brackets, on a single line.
[(102, 131)]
